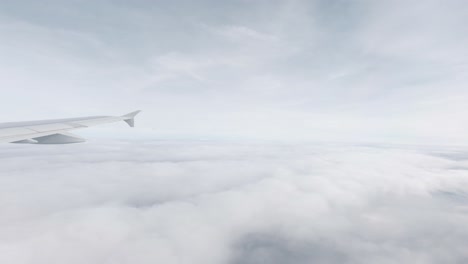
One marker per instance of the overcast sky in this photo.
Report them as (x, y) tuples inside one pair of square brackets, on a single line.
[(386, 71), (269, 87)]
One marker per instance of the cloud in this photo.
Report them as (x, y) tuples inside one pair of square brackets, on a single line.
[(244, 34), (202, 202)]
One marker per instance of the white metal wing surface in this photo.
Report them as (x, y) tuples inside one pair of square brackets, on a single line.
[(55, 131)]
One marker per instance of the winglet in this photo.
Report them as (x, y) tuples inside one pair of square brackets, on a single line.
[(130, 118)]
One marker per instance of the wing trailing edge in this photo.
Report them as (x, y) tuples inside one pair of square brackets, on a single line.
[(59, 138)]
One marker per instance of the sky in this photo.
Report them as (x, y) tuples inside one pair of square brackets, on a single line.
[(346, 71)]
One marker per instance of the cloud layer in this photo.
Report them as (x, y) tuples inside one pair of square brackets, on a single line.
[(199, 202)]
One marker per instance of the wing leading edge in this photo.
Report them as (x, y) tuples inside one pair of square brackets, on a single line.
[(56, 131)]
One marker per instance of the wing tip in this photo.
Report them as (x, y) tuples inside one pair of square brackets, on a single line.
[(132, 114), (130, 118)]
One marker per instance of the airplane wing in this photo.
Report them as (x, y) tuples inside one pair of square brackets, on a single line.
[(55, 131)]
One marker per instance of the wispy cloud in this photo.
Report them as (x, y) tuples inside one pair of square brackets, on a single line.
[(377, 64)]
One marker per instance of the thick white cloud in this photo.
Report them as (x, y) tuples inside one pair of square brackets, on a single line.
[(200, 202)]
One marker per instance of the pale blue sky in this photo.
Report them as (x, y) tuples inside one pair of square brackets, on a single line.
[(387, 71)]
